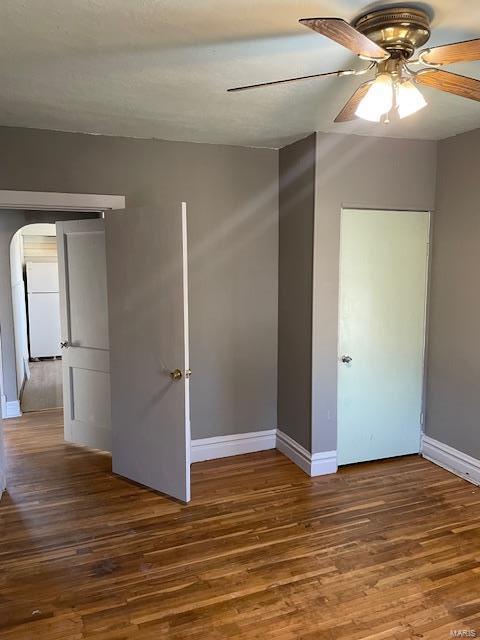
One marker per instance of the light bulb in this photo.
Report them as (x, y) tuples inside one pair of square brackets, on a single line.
[(378, 100), (409, 99)]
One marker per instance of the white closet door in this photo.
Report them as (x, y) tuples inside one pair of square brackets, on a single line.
[(383, 280)]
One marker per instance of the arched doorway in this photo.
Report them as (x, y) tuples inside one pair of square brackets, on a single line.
[(36, 316)]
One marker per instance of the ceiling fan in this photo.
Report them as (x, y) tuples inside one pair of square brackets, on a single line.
[(387, 39)]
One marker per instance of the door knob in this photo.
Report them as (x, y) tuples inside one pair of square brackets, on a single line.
[(64, 345), (346, 359), (176, 374)]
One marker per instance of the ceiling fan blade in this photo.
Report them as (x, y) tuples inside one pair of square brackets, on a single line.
[(346, 72), (450, 82), (348, 111), (450, 53), (346, 35)]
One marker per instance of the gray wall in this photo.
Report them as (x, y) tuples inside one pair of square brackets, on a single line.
[(10, 222), (356, 172), (296, 221), (232, 196), (453, 382)]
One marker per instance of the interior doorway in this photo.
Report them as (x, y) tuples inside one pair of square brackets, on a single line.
[(18, 209), (124, 324), (382, 316), (123, 287), (36, 316)]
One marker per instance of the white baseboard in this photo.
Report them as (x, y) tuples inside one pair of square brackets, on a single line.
[(451, 459), (11, 409), (317, 464), (324, 463), (233, 445)]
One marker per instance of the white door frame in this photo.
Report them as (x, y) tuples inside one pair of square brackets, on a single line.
[(53, 201)]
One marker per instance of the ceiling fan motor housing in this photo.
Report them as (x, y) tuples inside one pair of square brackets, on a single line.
[(398, 30)]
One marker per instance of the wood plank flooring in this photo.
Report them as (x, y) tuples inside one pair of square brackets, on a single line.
[(383, 550)]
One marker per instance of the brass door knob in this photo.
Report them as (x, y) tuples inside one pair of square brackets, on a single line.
[(176, 374)]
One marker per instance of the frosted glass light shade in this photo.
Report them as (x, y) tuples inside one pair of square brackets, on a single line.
[(409, 99), (378, 100)]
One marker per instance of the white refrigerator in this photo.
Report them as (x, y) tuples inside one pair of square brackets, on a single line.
[(43, 309)]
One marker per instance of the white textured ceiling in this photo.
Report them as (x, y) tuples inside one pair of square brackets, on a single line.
[(160, 68)]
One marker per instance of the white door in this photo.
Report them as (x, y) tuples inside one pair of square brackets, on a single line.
[(148, 315), (84, 326), (383, 284)]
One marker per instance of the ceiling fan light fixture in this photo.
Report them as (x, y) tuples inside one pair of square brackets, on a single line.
[(378, 100), (409, 99), (388, 38)]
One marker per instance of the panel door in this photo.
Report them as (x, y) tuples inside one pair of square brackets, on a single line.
[(84, 327)]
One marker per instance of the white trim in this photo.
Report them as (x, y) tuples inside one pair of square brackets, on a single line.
[(317, 464), (233, 445), (297, 454), (52, 201), (12, 409), (451, 459), (324, 463), (3, 406), (186, 349)]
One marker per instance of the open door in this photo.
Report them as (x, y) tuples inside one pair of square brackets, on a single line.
[(148, 320), (84, 330)]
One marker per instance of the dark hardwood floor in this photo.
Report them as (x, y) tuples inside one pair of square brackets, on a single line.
[(380, 550)]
